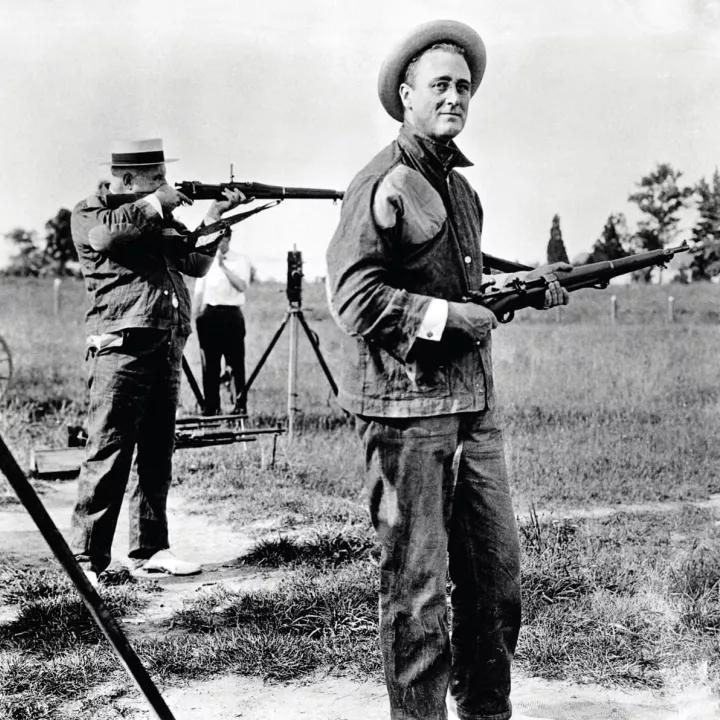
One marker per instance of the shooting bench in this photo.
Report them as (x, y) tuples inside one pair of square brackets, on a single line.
[(190, 432)]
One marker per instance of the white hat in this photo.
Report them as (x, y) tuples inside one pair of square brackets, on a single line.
[(135, 153)]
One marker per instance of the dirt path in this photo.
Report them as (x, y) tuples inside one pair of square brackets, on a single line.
[(229, 697)]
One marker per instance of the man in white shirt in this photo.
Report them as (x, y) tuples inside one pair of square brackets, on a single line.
[(219, 297)]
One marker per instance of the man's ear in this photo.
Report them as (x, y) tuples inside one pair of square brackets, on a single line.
[(404, 92), (127, 179)]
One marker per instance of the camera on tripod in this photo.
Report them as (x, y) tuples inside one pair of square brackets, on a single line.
[(293, 288)]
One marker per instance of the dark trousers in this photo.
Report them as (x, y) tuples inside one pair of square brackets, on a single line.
[(439, 493), (134, 392), (221, 333)]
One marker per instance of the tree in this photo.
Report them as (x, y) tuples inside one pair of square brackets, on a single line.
[(52, 258), (59, 247), (28, 261), (556, 251), (706, 262), (661, 199), (613, 241)]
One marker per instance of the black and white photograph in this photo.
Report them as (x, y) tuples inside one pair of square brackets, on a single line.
[(360, 360)]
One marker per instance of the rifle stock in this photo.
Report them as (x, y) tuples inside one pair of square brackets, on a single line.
[(519, 294)]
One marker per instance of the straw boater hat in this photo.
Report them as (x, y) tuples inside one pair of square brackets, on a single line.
[(136, 153), (421, 38)]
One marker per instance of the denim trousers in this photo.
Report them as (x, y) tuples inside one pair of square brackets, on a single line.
[(440, 501), (134, 392)]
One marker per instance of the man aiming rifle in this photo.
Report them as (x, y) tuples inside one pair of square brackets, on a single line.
[(133, 256)]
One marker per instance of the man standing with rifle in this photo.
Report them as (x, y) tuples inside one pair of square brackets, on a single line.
[(418, 376), (133, 254)]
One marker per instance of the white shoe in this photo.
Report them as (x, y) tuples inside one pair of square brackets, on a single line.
[(164, 562)]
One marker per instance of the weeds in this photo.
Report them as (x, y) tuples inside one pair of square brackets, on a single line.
[(311, 620), (695, 581), (321, 550)]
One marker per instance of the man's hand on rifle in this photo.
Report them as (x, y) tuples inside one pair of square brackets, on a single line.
[(555, 293), (473, 321), (234, 198), (170, 198)]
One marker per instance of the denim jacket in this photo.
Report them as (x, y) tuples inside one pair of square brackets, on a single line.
[(409, 231), (134, 279)]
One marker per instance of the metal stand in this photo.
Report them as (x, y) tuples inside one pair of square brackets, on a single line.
[(94, 603), (199, 398), (293, 317)]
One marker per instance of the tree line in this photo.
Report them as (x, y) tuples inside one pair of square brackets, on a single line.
[(661, 198), (54, 255)]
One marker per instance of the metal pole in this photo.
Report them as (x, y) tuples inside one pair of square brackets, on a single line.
[(193, 384), (102, 616), (318, 354), (292, 375)]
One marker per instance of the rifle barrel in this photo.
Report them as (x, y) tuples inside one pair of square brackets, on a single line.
[(259, 191), (506, 301)]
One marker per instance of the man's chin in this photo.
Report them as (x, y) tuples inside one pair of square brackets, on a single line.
[(446, 134)]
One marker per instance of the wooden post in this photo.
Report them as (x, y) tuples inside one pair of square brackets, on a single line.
[(671, 308), (292, 376), (56, 295), (613, 309)]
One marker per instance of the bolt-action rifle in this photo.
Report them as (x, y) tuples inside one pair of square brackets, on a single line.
[(255, 191), (519, 293), (252, 191)]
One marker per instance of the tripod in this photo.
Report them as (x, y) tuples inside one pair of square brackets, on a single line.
[(294, 317)]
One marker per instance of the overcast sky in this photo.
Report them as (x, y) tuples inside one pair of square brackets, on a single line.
[(581, 98)]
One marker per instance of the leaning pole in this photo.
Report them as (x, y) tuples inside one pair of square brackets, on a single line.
[(102, 616)]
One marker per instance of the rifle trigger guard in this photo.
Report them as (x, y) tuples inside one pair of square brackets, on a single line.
[(601, 284), (507, 317)]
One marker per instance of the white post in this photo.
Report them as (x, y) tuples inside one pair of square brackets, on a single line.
[(56, 295), (671, 308), (558, 313), (613, 309)]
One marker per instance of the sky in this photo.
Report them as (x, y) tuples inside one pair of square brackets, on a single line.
[(580, 99)]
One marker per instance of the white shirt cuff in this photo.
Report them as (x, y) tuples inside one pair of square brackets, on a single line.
[(433, 324), (154, 204)]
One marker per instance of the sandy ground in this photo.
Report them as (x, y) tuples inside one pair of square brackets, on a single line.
[(321, 698)]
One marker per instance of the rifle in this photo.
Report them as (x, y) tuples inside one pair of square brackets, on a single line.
[(519, 294), (252, 191), (255, 191)]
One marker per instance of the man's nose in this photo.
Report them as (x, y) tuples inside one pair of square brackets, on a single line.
[(452, 96)]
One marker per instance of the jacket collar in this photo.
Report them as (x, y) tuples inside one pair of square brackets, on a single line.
[(438, 157)]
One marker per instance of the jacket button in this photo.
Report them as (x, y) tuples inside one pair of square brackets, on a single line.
[(429, 333), (468, 259)]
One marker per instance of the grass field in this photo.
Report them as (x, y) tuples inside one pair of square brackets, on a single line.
[(596, 414)]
